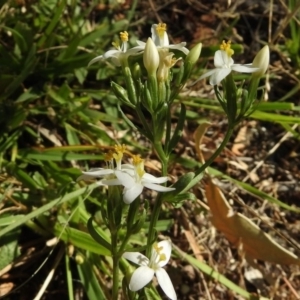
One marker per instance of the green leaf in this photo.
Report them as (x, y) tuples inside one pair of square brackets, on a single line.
[(96, 235), (9, 249), (89, 281), (47, 207), (79, 239)]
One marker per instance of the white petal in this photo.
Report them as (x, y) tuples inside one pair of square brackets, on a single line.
[(130, 194), (125, 179), (164, 42), (98, 172), (167, 250), (150, 178), (111, 53), (113, 181), (244, 68), (219, 59), (140, 277), (165, 283), (208, 73), (127, 166), (154, 35), (135, 50), (218, 76), (157, 187), (136, 258), (180, 47), (141, 43), (98, 58)]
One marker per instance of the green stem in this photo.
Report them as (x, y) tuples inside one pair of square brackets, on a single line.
[(116, 260), (153, 221)]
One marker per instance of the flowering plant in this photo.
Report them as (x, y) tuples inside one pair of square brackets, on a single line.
[(152, 96)]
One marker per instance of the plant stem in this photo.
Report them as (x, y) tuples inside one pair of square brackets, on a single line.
[(153, 221), (116, 259)]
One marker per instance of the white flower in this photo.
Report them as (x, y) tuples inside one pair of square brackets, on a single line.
[(119, 54), (109, 171), (134, 179), (224, 65), (161, 40), (160, 255)]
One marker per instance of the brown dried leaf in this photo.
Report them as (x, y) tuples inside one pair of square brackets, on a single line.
[(241, 231), (240, 140)]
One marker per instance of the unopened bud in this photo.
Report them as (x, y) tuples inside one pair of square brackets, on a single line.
[(261, 61), (194, 54), (151, 57)]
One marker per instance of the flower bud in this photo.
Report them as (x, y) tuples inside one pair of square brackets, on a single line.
[(151, 57), (194, 54), (261, 61)]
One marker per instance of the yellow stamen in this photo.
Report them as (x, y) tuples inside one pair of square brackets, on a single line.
[(124, 36), (120, 148), (108, 156), (157, 249), (137, 160), (139, 165), (161, 28), (227, 47), (162, 257)]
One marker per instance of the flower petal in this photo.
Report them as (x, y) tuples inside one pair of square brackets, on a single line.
[(111, 53), (130, 194), (165, 283), (140, 277), (98, 172), (167, 250), (154, 35), (221, 59), (97, 58), (208, 73), (244, 68), (218, 76), (180, 47), (136, 258), (125, 179), (141, 43), (157, 187), (113, 181), (150, 178)]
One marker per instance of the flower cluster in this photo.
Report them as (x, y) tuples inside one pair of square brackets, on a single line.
[(132, 176), (159, 55)]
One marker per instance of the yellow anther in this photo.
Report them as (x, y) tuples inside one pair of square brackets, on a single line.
[(158, 249), (227, 47), (124, 36), (162, 257), (136, 160), (120, 148), (161, 28), (108, 156), (118, 156)]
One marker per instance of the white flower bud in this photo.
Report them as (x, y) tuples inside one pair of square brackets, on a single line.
[(151, 57), (261, 61)]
